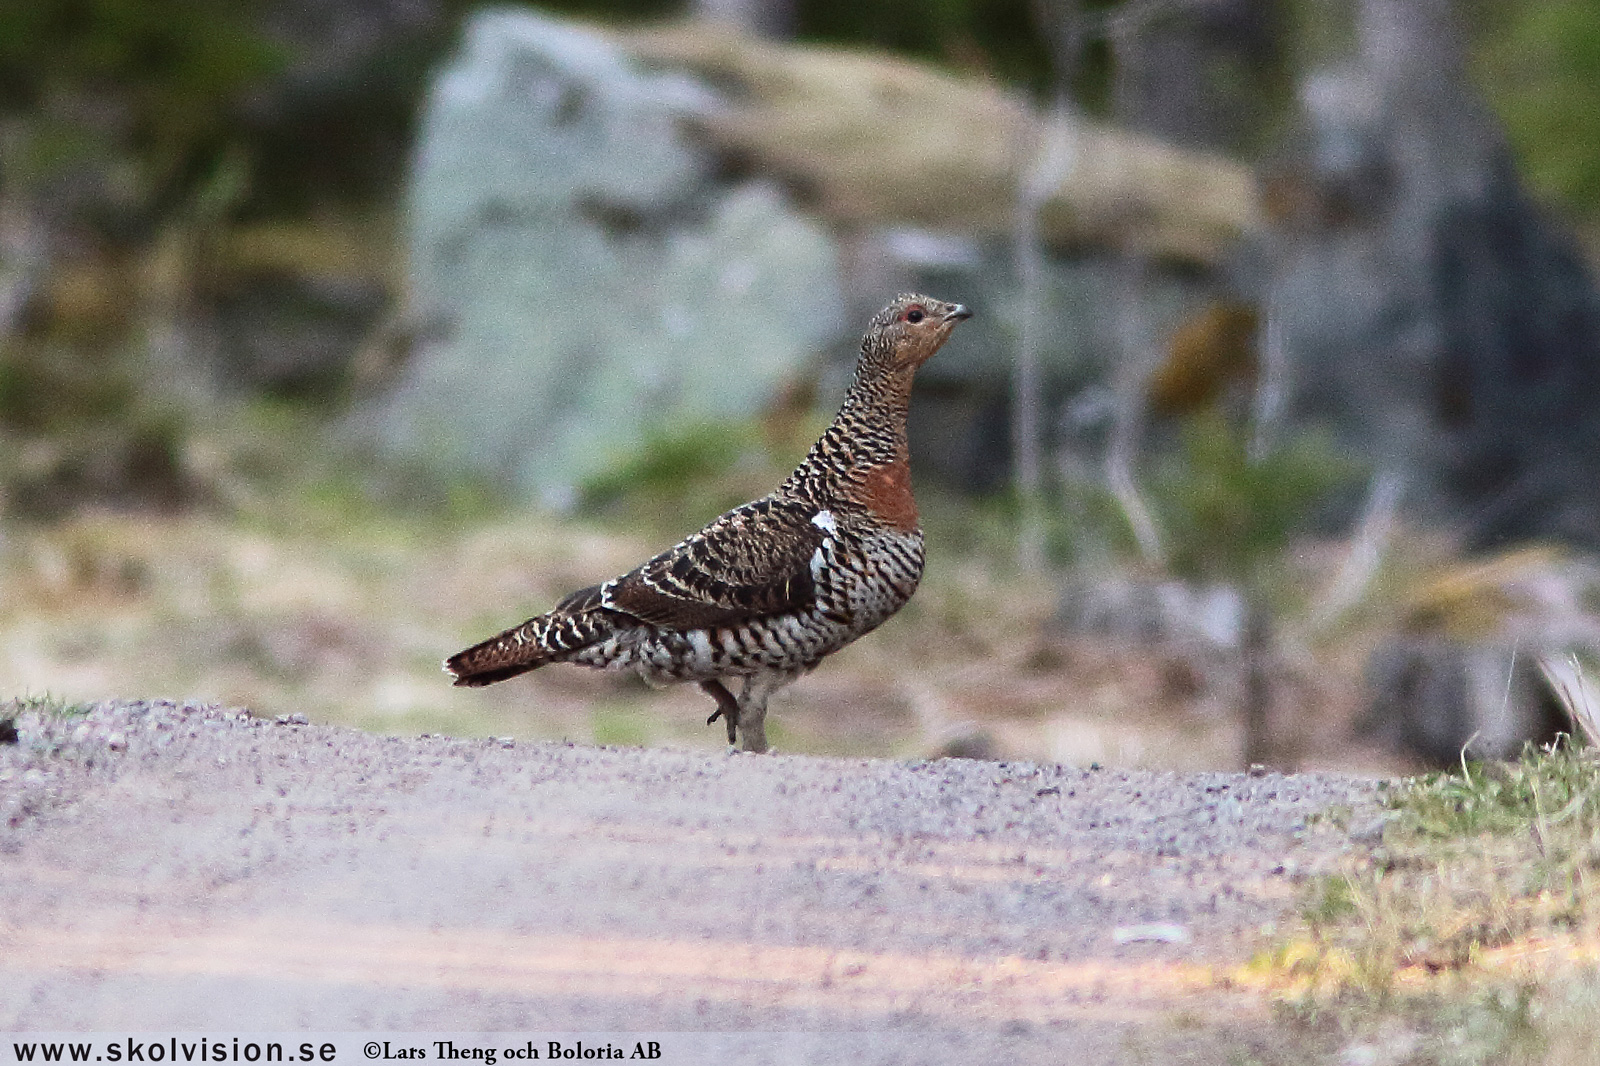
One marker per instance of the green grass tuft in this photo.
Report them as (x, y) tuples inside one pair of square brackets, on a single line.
[(1553, 793), (1474, 921), (46, 705)]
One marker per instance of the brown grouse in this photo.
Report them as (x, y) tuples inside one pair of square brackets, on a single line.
[(770, 588)]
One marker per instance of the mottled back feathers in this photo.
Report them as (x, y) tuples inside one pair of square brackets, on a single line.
[(752, 562)]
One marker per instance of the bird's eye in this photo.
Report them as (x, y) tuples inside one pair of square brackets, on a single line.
[(914, 315)]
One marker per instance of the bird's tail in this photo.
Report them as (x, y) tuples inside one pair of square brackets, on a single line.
[(496, 659), (573, 624)]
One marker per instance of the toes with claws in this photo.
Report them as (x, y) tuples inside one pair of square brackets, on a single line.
[(727, 706)]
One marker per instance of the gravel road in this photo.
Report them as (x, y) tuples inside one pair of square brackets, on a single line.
[(185, 867)]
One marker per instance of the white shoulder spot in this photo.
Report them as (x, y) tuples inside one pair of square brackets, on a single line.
[(824, 520)]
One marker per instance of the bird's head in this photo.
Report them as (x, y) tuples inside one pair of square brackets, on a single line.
[(912, 328)]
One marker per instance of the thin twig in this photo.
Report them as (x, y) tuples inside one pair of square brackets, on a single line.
[(1365, 556), (1272, 383), (1057, 157), (1127, 426)]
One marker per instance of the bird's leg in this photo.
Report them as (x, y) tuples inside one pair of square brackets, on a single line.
[(753, 711), (727, 706)]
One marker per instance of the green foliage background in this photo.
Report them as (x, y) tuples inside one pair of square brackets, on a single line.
[(162, 76), (1539, 64)]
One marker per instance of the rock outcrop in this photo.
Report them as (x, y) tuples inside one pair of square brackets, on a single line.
[(582, 272)]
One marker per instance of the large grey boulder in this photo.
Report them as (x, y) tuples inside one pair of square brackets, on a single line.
[(583, 274), (1434, 698), (1432, 315)]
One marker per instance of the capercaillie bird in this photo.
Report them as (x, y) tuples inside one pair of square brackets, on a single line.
[(769, 589)]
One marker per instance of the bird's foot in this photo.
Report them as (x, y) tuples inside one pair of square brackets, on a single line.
[(727, 706)]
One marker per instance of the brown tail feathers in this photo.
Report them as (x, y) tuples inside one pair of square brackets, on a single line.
[(495, 659), (574, 623)]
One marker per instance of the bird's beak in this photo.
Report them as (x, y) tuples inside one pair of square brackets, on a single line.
[(957, 313)]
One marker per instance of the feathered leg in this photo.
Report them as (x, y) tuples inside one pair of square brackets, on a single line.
[(753, 709)]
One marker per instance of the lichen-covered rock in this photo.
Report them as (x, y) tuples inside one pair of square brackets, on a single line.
[(584, 275), (1435, 698), (877, 139)]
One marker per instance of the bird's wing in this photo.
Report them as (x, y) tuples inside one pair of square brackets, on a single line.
[(754, 561)]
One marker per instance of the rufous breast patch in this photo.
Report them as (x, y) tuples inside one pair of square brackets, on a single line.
[(887, 494)]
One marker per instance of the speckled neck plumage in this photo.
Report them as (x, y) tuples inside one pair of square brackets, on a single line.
[(868, 432)]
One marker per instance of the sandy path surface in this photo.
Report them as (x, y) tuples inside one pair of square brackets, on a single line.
[(189, 868)]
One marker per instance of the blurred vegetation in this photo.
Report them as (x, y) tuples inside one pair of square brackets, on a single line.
[(161, 86), (165, 82), (152, 83), (1228, 515), (677, 472), (46, 704), (1223, 515), (1539, 64), (683, 474)]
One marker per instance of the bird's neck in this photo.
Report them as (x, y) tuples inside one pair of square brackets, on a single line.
[(874, 412), (868, 434)]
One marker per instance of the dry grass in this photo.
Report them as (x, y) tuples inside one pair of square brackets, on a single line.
[(343, 613), (299, 595)]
